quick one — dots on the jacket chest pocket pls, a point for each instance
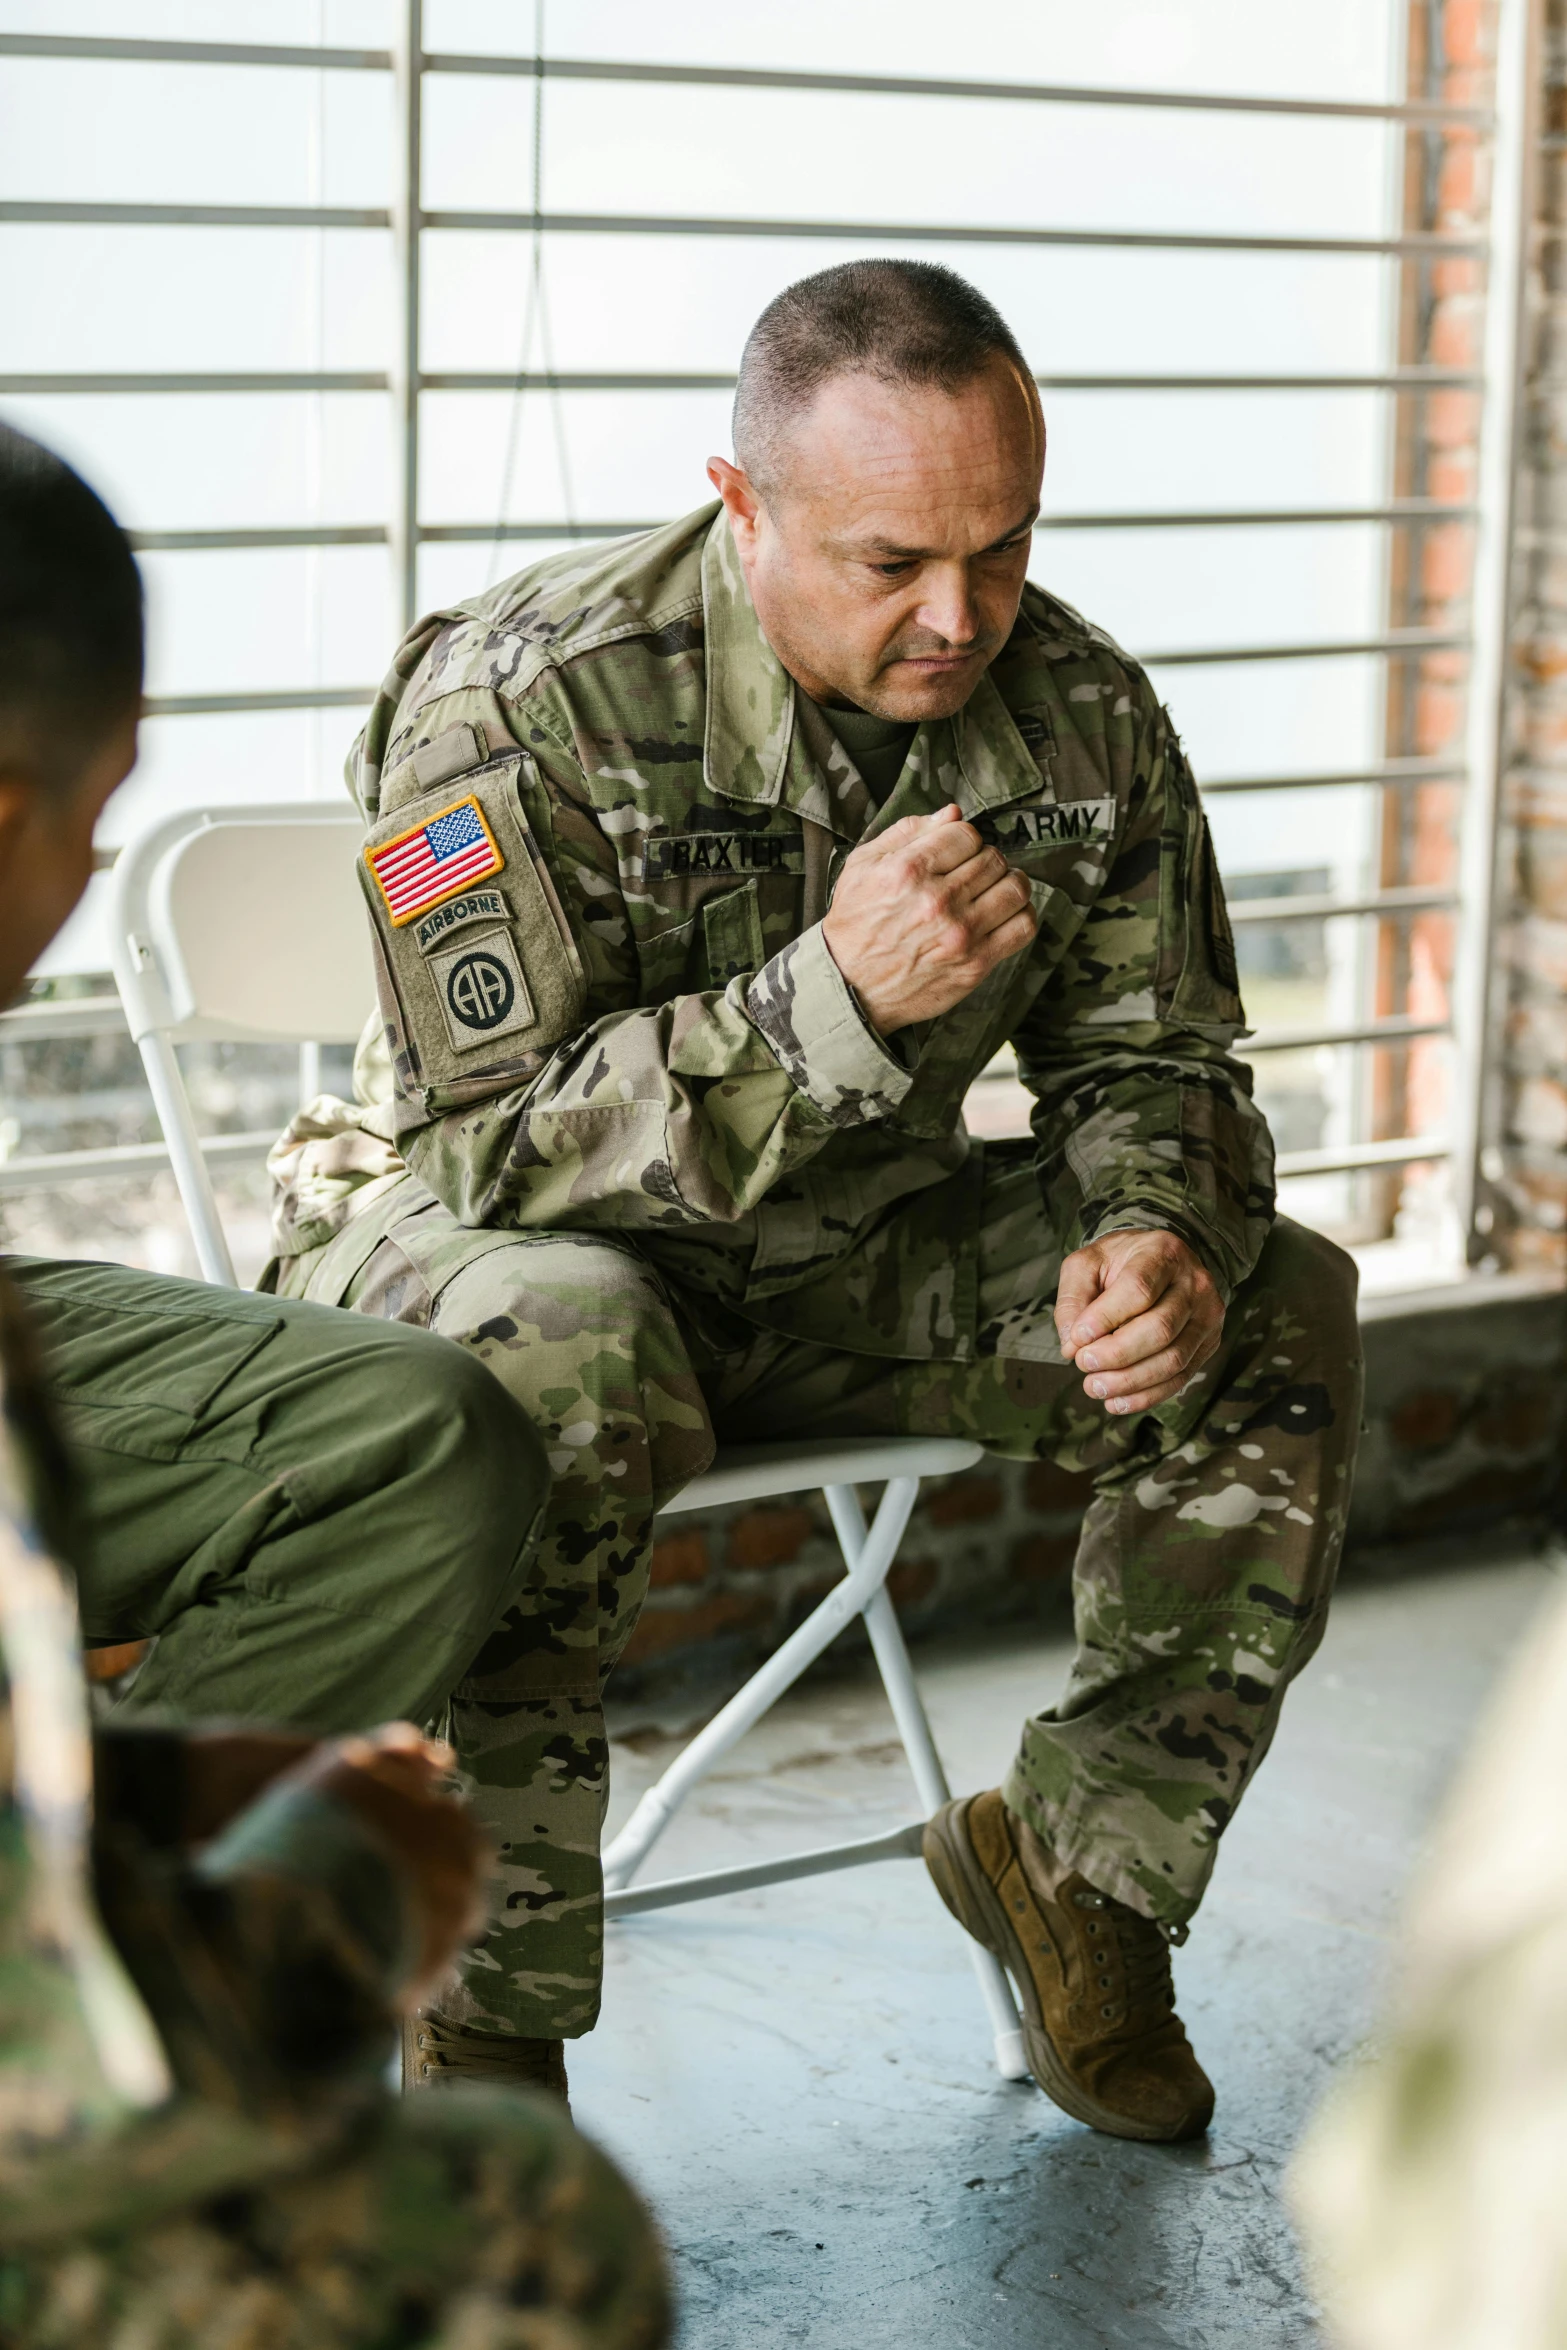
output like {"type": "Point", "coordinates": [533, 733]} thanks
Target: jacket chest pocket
{"type": "Point", "coordinates": [720, 941]}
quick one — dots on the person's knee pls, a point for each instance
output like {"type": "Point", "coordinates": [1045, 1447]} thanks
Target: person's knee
{"type": "Point", "coordinates": [580, 1333]}
{"type": "Point", "coordinates": [490, 1443]}
{"type": "Point", "coordinates": [468, 1447]}
{"type": "Point", "coordinates": [1313, 1276]}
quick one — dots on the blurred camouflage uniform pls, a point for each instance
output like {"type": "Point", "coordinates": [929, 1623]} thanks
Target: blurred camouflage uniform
{"type": "Point", "coordinates": [666, 1181]}
{"type": "Point", "coordinates": [1432, 2188]}
{"type": "Point", "coordinates": [195, 2147]}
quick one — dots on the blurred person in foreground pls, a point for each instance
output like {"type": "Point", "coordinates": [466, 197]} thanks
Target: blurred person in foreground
{"type": "Point", "coordinates": [1432, 2191]}
{"type": "Point", "coordinates": [708, 870]}
{"type": "Point", "coordinates": [207, 1935]}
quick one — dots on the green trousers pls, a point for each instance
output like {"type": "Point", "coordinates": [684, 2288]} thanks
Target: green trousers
{"type": "Point", "coordinates": [319, 1519]}
{"type": "Point", "coordinates": [1202, 1577]}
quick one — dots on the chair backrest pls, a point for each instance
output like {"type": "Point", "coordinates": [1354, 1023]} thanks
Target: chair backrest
{"type": "Point", "coordinates": [245, 923]}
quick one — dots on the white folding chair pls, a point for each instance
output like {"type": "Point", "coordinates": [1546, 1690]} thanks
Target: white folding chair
{"type": "Point", "coordinates": [243, 924]}
{"type": "Point", "coordinates": [247, 924]}
{"type": "Point", "coordinates": [753, 1473]}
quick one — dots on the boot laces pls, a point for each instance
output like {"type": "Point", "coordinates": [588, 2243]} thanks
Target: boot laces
{"type": "Point", "coordinates": [1144, 1949]}
{"type": "Point", "coordinates": [441, 2047]}
{"type": "Point", "coordinates": [1145, 1957]}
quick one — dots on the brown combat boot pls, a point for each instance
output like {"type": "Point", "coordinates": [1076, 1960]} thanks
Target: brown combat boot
{"type": "Point", "coordinates": [435, 2051]}
{"type": "Point", "coordinates": [1099, 2020]}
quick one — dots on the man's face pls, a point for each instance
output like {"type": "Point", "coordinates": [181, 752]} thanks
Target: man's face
{"type": "Point", "coordinates": [887, 562]}
{"type": "Point", "coordinates": [46, 836]}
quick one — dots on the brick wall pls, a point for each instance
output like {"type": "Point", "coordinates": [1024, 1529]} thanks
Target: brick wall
{"type": "Point", "coordinates": [1527, 1163]}
{"type": "Point", "coordinates": [1440, 325]}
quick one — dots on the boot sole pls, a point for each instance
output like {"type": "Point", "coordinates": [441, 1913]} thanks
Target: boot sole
{"type": "Point", "coordinates": [974, 1902]}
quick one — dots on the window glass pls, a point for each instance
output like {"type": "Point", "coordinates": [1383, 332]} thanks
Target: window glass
{"type": "Point", "coordinates": [1146, 44]}
{"type": "Point", "coordinates": [115, 299]}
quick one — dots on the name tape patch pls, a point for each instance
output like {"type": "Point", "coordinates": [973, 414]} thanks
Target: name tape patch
{"type": "Point", "coordinates": [670, 856]}
{"type": "Point", "coordinates": [475, 905]}
{"type": "Point", "coordinates": [1056, 823]}
{"type": "Point", "coordinates": [448, 852]}
{"type": "Point", "coordinates": [481, 990]}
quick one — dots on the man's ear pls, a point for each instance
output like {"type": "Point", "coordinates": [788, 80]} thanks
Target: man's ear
{"type": "Point", "coordinates": [741, 502]}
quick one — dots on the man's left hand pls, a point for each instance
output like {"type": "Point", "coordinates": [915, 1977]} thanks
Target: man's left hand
{"type": "Point", "coordinates": [1138, 1313]}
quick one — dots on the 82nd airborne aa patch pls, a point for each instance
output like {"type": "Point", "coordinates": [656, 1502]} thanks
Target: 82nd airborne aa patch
{"type": "Point", "coordinates": [481, 990]}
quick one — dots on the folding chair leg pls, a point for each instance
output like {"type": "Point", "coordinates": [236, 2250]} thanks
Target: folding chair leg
{"type": "Point", "coordinates": [191, 1175]}
{"type": "Point", "coordinates": [868, 1554]}
{"type": "Point", "coordinates": [867, 1571]}
{"type": "Point", "coordinates": [908, 1711]}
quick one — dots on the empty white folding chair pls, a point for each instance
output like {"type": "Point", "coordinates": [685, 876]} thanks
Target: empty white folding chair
{"type": "Point", "coordinates": [247, 923]}
{"type": "Point", "coordinates": [243, 924]}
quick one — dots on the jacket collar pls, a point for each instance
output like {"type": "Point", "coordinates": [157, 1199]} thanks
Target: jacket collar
{"type": "Point", "coordinates": [755, 748]}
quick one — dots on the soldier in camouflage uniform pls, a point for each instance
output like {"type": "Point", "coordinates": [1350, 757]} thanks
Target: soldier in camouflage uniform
{"type": "Point", "coordinates": [196, 2146]}
{"type": "Point", "coordinates": [206, 1936]}
{"type": "Point", "coordinates": [1430, 2190]}
{"type": "Point", "coordinates": [692, 934]}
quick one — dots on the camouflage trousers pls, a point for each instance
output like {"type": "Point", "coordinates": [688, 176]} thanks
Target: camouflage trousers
{"type": "Point", "coordinates": [1202, 1578]}
{"type": "Point", "coordinates": [466, 2220]}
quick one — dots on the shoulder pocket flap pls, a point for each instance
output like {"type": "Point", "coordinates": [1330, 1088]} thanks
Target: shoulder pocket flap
{"type": "Point", "coordinates": [477, 950]}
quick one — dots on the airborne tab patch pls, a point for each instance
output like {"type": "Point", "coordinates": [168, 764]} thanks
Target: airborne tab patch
{"type": "Point", "coordinates": [673, 856]}
{"type": "Point", "coordinates": [475, 905]}
{"type": "Point", "coordinates": [1054, 823]}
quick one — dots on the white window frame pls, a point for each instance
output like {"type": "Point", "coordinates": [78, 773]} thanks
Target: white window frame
{"type": "Point", "coordinates": [1513, 133]}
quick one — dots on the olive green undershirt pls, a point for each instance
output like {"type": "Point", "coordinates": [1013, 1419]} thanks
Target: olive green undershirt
{"type": "Point", "coordinates": [878, 746]}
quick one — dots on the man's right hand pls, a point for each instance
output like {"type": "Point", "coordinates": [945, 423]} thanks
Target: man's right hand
{"type": "Point", "coordinates": [921, 915]}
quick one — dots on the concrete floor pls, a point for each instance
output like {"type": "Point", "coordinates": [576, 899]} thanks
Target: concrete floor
{"type": "Point", "coordinates": [800, 2078]}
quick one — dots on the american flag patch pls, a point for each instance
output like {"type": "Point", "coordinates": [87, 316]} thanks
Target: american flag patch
{"type": "Point", "coordinates": [446, 853]}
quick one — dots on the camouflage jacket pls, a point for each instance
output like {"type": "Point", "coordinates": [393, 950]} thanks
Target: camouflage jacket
{"type": "Point", "coordinates": [155, 2060]}
{"type": "Point", "coordinates": [604, 827]}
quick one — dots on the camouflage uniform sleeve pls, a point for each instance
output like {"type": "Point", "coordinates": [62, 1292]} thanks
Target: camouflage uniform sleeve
{"type": "Point", "coordinates": [636, 1114]}
{"type": "Point", "coordinates": [1143, 1117]}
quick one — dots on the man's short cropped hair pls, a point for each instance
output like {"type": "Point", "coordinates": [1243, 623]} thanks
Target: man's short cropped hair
{"type": "Point", "coordinates": [71, 633]}
{"type": "Point", "coordinates": [904, 322]}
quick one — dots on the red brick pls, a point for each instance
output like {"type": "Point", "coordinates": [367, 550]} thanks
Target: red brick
{"type": "Point", "coordinates": [1423, 1421]}
{"type": "Point", "coordinates": [1493, 1490]}
{"type": "Point", "coordinates": [1519, 1415]}
{"type": "Point", "coordinates": [770, 1537]}
{"type": "Point", "coordinates": [911, 1581]}
{"type": "Point", "coordinates": [1042, 1558]}
{"type": "Point", "coordinates": [1453, 418]}
{"type": "Point", "coordinates": [663, 1630]}
{"type": "Point", "coordinates": [1452, 276]}
{"type": "Point", "coordinates": [680, 1558]}
{"type": "Point", "coordinates": [1049, 1488]}
{"type": "Point", "coordinates": [1439, 717]}
{"type": "Point", "coordinates": [1464, 29]}
{"type": "Point", "coordinates": [1450, 476]}
{"type": "Point", "coordinates": [107, 1664]}
{"type": "Point", "coordinates": [965, 1502]}
{"type": "Point", "coordinates": [1445, 561]}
